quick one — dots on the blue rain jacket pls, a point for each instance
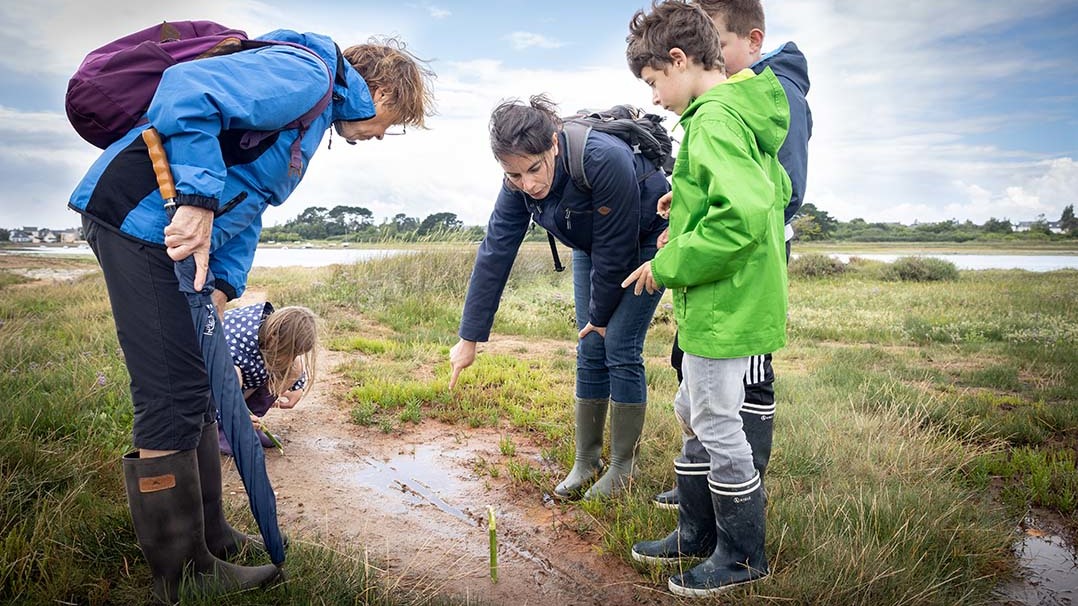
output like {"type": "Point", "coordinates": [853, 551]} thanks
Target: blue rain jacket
{"type": "Point", "coordinates": [202, 109]}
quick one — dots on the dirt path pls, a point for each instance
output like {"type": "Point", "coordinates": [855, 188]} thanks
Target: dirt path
{"type": "Point", "coordinates": [417, 504]}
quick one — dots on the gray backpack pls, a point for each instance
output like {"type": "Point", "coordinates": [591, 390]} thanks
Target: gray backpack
{"type": "Point", "coordinates": [643, 133]}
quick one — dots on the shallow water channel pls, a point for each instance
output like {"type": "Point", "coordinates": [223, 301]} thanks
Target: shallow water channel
{"type": "Point", "coordinates": [1047, 563]}
{"type": "Point", "coordinates": [320, 257]}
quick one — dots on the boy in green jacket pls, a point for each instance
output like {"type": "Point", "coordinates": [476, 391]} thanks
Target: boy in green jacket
{"type": "Point", "coordinates": [725, 264]}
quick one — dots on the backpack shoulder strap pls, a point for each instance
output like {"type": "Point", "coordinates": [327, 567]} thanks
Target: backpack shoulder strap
{"type": "Point", "coordinates": [576, 136]}
{"type": "Point", "coordinates": [252, 138]}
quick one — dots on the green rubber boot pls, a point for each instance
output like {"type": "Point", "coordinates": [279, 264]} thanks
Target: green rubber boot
{"type": "Point", "coordinates": [626, 423]}
{"type": "Point", "coordinates": [590, 421]}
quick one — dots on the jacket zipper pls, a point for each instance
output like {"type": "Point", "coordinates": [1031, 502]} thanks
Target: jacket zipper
{"type": "Point", "coordinates": [240, 197]}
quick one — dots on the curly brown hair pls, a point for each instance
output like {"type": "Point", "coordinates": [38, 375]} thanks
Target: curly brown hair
{"type": "Point", "coordinates": [672, 24]}
{"type": "Point", "coordinates": [386, 64]}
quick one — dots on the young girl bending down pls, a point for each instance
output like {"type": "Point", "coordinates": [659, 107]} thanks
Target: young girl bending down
{"type": "Point", "coordinates": [274, 354]}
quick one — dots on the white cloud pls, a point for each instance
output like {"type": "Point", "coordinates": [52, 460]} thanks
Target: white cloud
{"type": "Point", "coordinates": [437, 12]}
{"type": "Point", "coordinates": [41, 161]}
{"type": "Point", "coordinates": [894, 137]}
{"type": "Point", "coordinates": [525, 40]}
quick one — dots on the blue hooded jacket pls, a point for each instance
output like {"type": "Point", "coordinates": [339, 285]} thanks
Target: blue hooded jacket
{"type": "Point", "coordinates": [609, 224]}
{"type": "Point", "coordinates": [791, 68]}
{"type": "Point", "coordinates": [202, 109]}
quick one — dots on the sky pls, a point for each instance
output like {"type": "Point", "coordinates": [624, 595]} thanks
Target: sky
{"type": "Point", "coordinates": [924, 111]}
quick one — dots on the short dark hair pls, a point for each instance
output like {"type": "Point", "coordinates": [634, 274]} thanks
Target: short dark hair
{"type": "Point", "coordinates": [740, 16]}
{"type": "Point", "coordinates": [517, 129]}
{"type": "Point", "coordinates": [672, 24]}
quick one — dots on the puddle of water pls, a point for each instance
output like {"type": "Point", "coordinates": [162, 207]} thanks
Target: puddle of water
{"type": "Point", "coordinates": [409, 480]}
{"type": "Point", "coordinates": [421, 478]}
{"type": "Point", "coordinates": [1049, 573]}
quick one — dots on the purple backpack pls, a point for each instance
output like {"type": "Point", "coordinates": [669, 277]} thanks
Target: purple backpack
{"type": "Point", "coordinates": [112, 89]}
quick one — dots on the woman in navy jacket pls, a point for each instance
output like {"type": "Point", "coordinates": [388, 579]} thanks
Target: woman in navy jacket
{"type": "Point", "coordinates": [612, 229]}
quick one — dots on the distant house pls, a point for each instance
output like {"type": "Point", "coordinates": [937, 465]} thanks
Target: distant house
{"type": "Point", "coordinates": [1053, 226]}
{"type": "Point", "coordinates": [70, 235]}
{"type": "Point", "coordinates": [20, 236]}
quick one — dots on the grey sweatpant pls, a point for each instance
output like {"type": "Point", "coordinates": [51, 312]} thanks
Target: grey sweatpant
{"type": "Point", "coordinates": [708, 406]}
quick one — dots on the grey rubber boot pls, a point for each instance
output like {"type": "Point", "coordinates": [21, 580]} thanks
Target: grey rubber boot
{"type": "Point", "coordinates": [590, 422]}
{"type": "Point", "coordinates": [694, 536]}
{"type": "Point", "coordinates": [222, 540]}
{"type": "Point", "coordinates": [166, 508]}
{"type": "Point", "coordinates": [626, 422]}
{"type": "Point", "coordinates": [739, 549]}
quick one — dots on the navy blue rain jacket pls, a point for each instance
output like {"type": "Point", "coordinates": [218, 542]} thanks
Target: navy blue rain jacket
{"type": "Point", "coordinates": [791, 68]}
{"type": "Point", "coordinates": [609, 224]}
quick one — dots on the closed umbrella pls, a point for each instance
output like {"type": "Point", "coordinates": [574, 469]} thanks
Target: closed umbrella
{"type": "Point", "coordinates": [235, 419]}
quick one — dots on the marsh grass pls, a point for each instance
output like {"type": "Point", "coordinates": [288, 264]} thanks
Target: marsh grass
{"type": "Point", "coordinates": [901, 406]}
{"type": "Point", "coordinates": [65, 532]}
{"type": "Point", "coordinates": [885, 437]}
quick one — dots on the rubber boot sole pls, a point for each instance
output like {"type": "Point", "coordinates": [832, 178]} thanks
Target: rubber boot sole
{"type": "Point", "coordinates": [692, 592]}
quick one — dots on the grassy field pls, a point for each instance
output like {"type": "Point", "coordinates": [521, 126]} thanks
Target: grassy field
{"type": "Point", "coordinates": [917, 422]}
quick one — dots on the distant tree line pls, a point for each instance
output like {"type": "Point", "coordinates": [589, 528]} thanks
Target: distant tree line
{"type": "Point", "coordinates": [357, 224]}
{"type": "Point", "coordinates": [812, 223]}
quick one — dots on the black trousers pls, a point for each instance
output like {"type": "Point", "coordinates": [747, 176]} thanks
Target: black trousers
{"type": "Point", "coordinates": [169, 386]}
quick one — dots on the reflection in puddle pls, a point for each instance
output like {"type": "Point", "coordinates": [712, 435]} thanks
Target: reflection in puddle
{"type": "Point", "coordinates": [424, 478]}
{"type": "Point", "coordinates": [1049, 573]}
{"type": "Point", "coordinates": [411, 479]}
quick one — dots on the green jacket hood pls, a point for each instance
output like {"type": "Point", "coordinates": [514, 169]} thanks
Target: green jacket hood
{"type": "Point", "coordinates": [757, 100]}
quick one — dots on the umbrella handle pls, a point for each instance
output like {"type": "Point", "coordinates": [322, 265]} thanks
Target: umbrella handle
{"type": "Point", "coordinates": [161, 169]}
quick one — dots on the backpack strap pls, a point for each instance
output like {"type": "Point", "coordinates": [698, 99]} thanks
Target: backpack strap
{"type": "Point", "coordinates": [576, 136]}
{"type": "Point", "coordinates": [253, 137]}
{"type": "Point", "coordinates": [554, 253]}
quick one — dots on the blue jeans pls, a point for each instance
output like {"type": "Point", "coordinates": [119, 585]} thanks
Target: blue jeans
{"type": "Point", "coordinates": [612, 367]}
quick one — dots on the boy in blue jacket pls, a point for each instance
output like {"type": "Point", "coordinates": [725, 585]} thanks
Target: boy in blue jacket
{"type": "Point", "coordinates": [202, 110]}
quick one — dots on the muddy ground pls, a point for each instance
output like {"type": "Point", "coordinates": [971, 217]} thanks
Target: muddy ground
{"type": "Point", "coordinates": [414, 499]}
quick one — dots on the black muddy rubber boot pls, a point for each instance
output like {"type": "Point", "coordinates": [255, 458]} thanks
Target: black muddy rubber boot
{"type": "Point", "coordinates": [739, 547]}
{"type": "Point", "coordinates": [694, 536]}
{"type": "Point", "coordinates": [164, 496]}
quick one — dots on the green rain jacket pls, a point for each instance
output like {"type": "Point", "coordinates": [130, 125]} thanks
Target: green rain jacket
{"type": "Point", "coordinates": [726, 258]}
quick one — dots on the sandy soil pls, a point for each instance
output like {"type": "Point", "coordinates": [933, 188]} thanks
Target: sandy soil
{"type": "Point", "coordinates": [416, 502]}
